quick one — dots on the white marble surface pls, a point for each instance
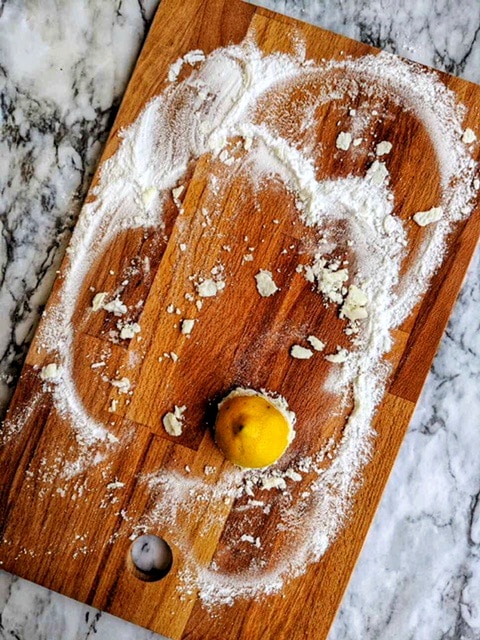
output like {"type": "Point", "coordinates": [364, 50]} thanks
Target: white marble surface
{"type": "Point", "coordinates": [63, 68]}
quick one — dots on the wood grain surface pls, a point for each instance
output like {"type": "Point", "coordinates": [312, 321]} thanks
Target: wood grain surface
{"type": "Point", "coordinates": [73, 537]}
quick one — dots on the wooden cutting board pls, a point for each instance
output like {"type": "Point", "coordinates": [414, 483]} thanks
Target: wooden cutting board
{"type": "Point", "coordinates": [74, 537]}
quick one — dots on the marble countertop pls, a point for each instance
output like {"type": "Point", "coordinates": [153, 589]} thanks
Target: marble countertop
{"type": "Point", "coordinates": [63, 70]}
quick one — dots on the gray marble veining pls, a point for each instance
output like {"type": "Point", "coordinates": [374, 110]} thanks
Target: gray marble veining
{"type": "Point", "coordinates": [440, 33]}
{"type": "Point", "coordinates": [63, 69]}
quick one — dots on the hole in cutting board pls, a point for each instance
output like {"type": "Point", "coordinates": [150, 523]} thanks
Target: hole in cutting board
{"type": "Point", "coordinates": [150, 558]}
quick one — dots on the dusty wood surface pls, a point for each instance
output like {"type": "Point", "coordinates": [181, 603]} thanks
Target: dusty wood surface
{"type": "Point", "coordinates": [247, 343]}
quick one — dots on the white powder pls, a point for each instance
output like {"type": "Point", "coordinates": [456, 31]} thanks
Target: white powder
{"type": "Point", "coordinates": [389, 224]}
{"type": "Point", "coordinates": [192, 57]}
{"type": "Point", "coordinates": [316, 343]}
{"type": "Point", "coordinates": [330, 279]}
{"type": "Point", "coordinates": [129, 330]}
{"type": "Point", "coordinates": [98, 300]}
{"type": "Point", "coordinates": [273, 482]}
{"type": "Point", "coordinates": [175, 69]}
{"type": "Point", "coordinates": [301, 353]}
{"type": "Point", "coordinates": [354, 307]}
{"type": "Point", "coordinates": [339, 357]}
{"type": "Point", "coordinates": [383, 148]}
{"type": "Point", "coordinates": [156, 151]}
{"type": "Point", "coordinates": [423, 218]}
{"type": "Point", "coordinates": [468, 136]}
{"type": "Point", "coordinates": [265, 284]}
{"type": "Point", "coordinates": [187, 326]}
{"type": "Point", "coordinates": [122, 384]}
{"type": "Point", "coordinates": [116, 307]}
{"type": "Point", "coordinates": [248, 538]}
{"type": "Point", "coordinates": [293, 475]}
{"type": "Point", "coordinates": [50, 372]}
{"type": "Point", "coordinates": [209, 288]}
{"type": "Point", "coordinates": [378, 172]}
{"type": "Point", "coordinates": [111, 486]}
{"type": "Point", "coordinates": [344, 140]}
{"type": "Point", "coordinates": [173, 421]}
{"type": "Point", "coordinates": [148, 196]}
{"type": "Point", "coordinates": [177, 192]}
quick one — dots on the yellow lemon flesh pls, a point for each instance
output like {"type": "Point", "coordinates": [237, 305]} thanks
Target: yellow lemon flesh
{"type": "Point", "coordinates": [250, 431]}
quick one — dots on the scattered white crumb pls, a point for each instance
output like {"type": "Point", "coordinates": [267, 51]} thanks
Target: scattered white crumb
{"type": "Point", "coordinates": [187, 326]}
{"type": "Point", "coordinates": [116, 307]}
{"type": "Point", "coordinates": [192, 57]}
{"type": "Point", "coordinates": [173, 356]}
{"type": "Point", "coordinates": [377, 172]}
{"type": "Point", "coordinates": [173, 421]}
{"type": "Point", "coordinates": [265, 285]}
{"type": "Point", "coordinates": [344, 140]}
{"type": "Point", "coordinates": [98, 365]}
{"type": "Point", "coordinates": [273, 482]}
{"type": "Point", "coordinates": [247, 257]}
{"type": "Point", "coordinates": [50, 372]}
{"type": "Point", "coordinates": [209, 288]}
{"type": "Point", "coordinates": [330, 278]}
{"type": "Point", "coordinates": [171, 308]}
{"type": "Point", "coordinates": [354, 306]}
{"type": "Point", "coordinates": [175, 69]}
{"type": "Point", "coordinates": [476, 183]}
{"type": "Point", "coordinates": [248, 538]}
{"type": "Point", "coordinates": [292, 475]}
{"type": "Point", "coordinates": [113, 406]}
{"type": "Point", "coordinates": [388, 224]}
{"type": "Point", "coordinates": [357, 142]}
{"type": "Point", "coordinates": [383, 148]}
{"type": "Point", "coordinates": [316, 343]}
{"type": "Point", "coordinates": [422, 218]}
{"type": "Point", "coordinates": [122, 384]}
{"type": "Point", "coordinates": [468, 136]}
{"type": "Point", "coordinates": [115, 485]}
{"type": "Point", "coordinates": [208, 470]}
{"type": "Point", "coordinates": [98, 300]}
{"type": "Point", "coordinates": [182, 246]}
{"type": "Point", "coordinates": [340, 356]}
{"type": "Point", "coordinates": [129, 330]}
{"type": "Point", "coordinates": [148, 195]}
{"type": "Point", "coordinates": [177, 192]}
{"type": "Point", "coordinates": [300, 353]}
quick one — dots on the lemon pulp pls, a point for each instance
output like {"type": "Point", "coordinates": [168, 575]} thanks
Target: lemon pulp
{"type": "Point", "coordinates": [251, 431]}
